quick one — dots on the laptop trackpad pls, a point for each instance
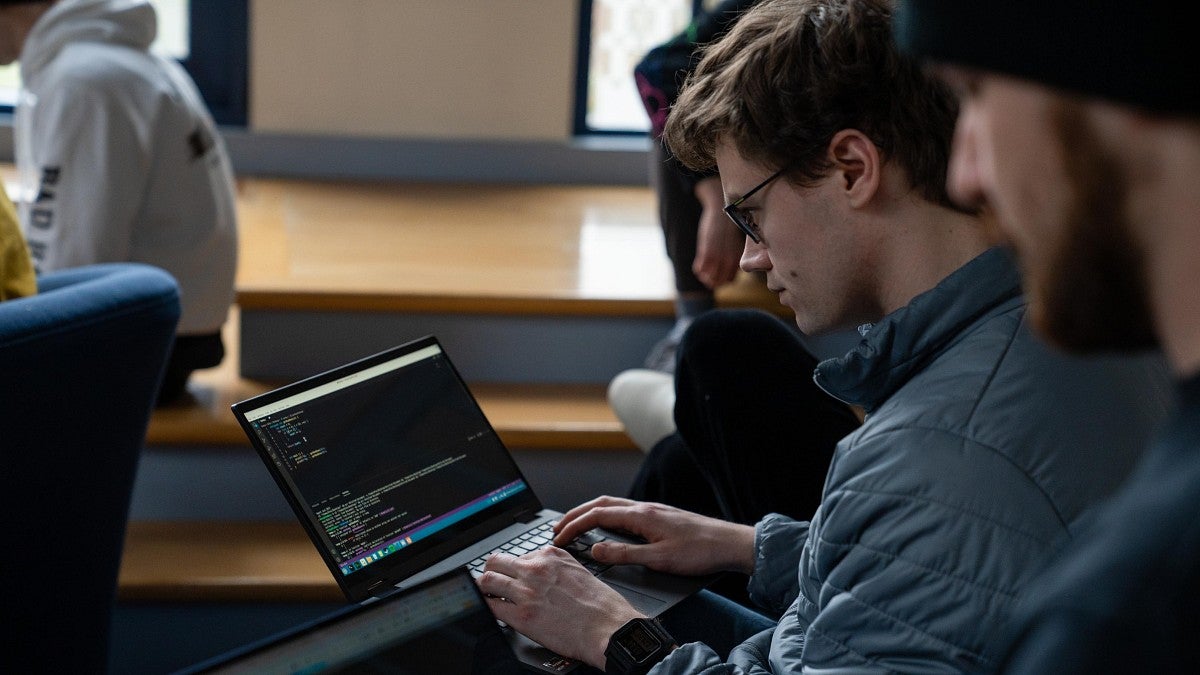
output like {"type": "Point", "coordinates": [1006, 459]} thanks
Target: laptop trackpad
{"type": "Point", "coordinates": [623, 577]}
{"type": "Point", "coordinates": [537, 656]}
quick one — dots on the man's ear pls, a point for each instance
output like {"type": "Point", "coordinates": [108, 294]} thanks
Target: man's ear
{"type": "Point", "coordinates": [857, 164]}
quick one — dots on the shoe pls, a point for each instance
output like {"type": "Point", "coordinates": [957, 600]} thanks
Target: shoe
{"type": "Point", "coordinates": [644, 401]}
{"type": "Point", "coordinates": [662, 354]}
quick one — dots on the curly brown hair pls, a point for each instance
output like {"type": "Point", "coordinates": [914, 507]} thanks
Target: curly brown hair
{"type": "Point", "coordinates": [790, 74]}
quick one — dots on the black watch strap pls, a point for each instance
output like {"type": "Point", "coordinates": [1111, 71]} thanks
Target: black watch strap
{"type": "Point", "coordinates": [636, 647]}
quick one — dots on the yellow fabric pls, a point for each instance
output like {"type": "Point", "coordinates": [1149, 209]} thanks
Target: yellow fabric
{"type": "Point", "coordinates": [16, 269]}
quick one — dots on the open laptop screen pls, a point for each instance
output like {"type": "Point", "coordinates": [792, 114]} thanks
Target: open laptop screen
{"type": "Point", "coordinates": [386, 457]}
{"type": "Point", "coordinates": [441, 626]}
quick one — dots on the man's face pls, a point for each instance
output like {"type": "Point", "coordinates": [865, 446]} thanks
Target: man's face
{"type": "Point", "coordinates": [1033, 159]}
{"type": "Point", "coordinates": [808, 251]}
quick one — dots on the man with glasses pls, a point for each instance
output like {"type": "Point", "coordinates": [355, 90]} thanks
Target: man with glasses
{"type": "Point", "coordinates": [980, 448]}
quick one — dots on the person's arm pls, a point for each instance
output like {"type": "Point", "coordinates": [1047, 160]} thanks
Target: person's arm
{"type": "Point", "coordinates": [719, 243]}
{"type": "Point", "coordinates": [779, 544]}
{"type": "Point", "coordinates": [681, 542]}
{"type": "Point", "coordinates": [16, 270]}
{"type": "Point", "coordinates": [913, 564]}
{"type": "Point", "coordinates": [549, 597]}
{"type": "Point", "coordinates": [91, 153]}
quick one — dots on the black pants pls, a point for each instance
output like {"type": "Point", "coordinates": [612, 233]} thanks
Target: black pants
{"type": "Point", "coordinates": [679, 214]}
{"type": "Point", "coordinates": [189, 353]}
{"type": "Point", "coordinates": [755, 433]}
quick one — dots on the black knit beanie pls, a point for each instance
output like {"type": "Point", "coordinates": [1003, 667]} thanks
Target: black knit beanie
{"type": "Point", "coordinates": [1138, 52]}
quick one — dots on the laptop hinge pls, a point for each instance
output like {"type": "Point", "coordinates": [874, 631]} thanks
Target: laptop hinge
{"type": "Point", "coordinates": [526, 517]}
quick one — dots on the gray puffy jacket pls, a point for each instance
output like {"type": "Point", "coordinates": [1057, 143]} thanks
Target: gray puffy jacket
{"type": "Point", "coordinates": [979, 453]}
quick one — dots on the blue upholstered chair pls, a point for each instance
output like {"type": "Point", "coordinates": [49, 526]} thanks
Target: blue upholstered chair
{"type": "Point", "coordinates": [80, 365]}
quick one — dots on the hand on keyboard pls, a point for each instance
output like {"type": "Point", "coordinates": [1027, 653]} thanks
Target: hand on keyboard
{"type": "Point", "coordinates": [581, 549]}
{"type": "Point", "coordinates": [670, 539]}
{"type": "Point", "coordinates": [540, 537]}
{"type": "Point", "coordinates": [549, 597]}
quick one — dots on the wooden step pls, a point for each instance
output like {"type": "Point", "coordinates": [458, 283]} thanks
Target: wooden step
{"type": "Point", "coordinates": [571, 281]}
{"type": "Point", "coordinates": [527, 416]}
{"type": "Point", "coordinates": [195, 561]}
{"type": "Point", "coordinates": [459, 248]}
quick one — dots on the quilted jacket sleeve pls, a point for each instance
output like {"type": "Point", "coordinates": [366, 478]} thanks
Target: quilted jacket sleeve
{"type": "Point", "coordinates": [918, 552]}
{"type": "Point", "coordinates": [750, 658]}
{"type": "Point", "coordinates": [778, 545]}
{"type": "Point", "coordinates": [912, 563]}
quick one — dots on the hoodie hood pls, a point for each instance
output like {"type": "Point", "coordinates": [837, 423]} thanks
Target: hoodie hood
{"type": "Point", "coordinates": [128, 23]}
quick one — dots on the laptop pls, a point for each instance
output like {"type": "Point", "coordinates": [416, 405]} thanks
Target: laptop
{"type": "Point", "coordinates": [398, 477]}
{"type": "Point", "coordinates": [440, 626]}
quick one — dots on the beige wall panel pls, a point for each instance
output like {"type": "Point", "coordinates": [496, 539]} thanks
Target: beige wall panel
{"type": "Point", "coordinates": [474, 69]}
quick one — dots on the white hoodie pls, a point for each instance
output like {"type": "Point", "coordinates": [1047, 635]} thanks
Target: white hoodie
{"type": "Point", "coordinates": [119, 159]}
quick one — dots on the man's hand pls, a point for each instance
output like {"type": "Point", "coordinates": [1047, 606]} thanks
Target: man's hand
{"type": "Point", "coordinates": [549, 597]}
{"type": "Point", "coordinates": [677, 541]}
{"type": "Point", "coordinates": [719, 242]}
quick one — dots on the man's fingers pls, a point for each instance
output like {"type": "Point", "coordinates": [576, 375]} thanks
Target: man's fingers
{"type": "Point", "coordinates": [568, 526]}
{"type": "Point", "coordinates": [616, 553]}
{"type": "Point", "coordinates": [502, 609]}
{"type": "Point", "coordinates": [655, 556]}
{"type": "Point", "coordinates": [608, 517]}
{"type": "Point", "coordinates": [496, 584]}
{"type": "Point", "coordinates": [583, 508]}
{"type": "Point", "coordinates": [505, 563]}
{"type": "Point", "coordinates": [714, 271]}
{"type": "Point", "coordinates": [568, 531]}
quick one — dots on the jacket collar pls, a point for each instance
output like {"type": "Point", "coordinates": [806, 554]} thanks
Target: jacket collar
{"type": "Point", "coordinates": [905, 341]}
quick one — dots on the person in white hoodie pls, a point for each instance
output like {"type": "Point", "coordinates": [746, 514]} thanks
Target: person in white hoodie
{"type": "Point", "coordinates": [119, 160]}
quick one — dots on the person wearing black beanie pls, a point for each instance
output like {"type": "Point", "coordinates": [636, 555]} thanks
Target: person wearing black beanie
{"type": "Point", "coordinates": [1079, 129]}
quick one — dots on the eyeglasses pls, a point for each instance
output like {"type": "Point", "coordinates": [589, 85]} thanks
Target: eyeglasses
{"type": "Point", "coordinates": [743, 219]}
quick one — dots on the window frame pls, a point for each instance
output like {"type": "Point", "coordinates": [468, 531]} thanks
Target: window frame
{"type": "Point", "coordinates": [583, 54]}
{"type": "Point", "coordinates": [218, 57]}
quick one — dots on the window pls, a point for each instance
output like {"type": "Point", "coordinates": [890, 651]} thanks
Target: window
{"type": "Point", "coordinates": [209, 37]}
{"type": "Point", "coordinates": [613, 36]}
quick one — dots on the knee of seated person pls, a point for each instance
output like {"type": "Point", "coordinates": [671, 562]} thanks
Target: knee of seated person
{"type": "Point", "coordinates": [712, 334]}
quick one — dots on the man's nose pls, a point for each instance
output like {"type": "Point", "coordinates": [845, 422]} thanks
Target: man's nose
{"type": "Point", "coordinates": [754, 257]}
{"type": "Point", "coordinates": [963, 176]}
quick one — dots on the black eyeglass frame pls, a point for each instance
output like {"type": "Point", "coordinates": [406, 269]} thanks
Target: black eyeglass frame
{"type": "Point", "coordinates": [739, 217]}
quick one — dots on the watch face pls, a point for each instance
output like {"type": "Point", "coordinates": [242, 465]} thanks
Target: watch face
{"type": "Point", "coordinates": [640, 643]}
{"type": "Point", "coordinates": [636, 647]}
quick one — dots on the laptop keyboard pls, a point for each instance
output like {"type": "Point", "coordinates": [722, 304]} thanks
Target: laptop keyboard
{"type": "Point", "coordinates": [540, 537]}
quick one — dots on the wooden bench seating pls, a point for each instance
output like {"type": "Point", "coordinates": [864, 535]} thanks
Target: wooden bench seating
{"type": "Point", "coordinates": [229, 561]}
{"type": "Point", "coordinates": [529, 251]}
{"type": "Point", "coordinates": [527, 416]}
